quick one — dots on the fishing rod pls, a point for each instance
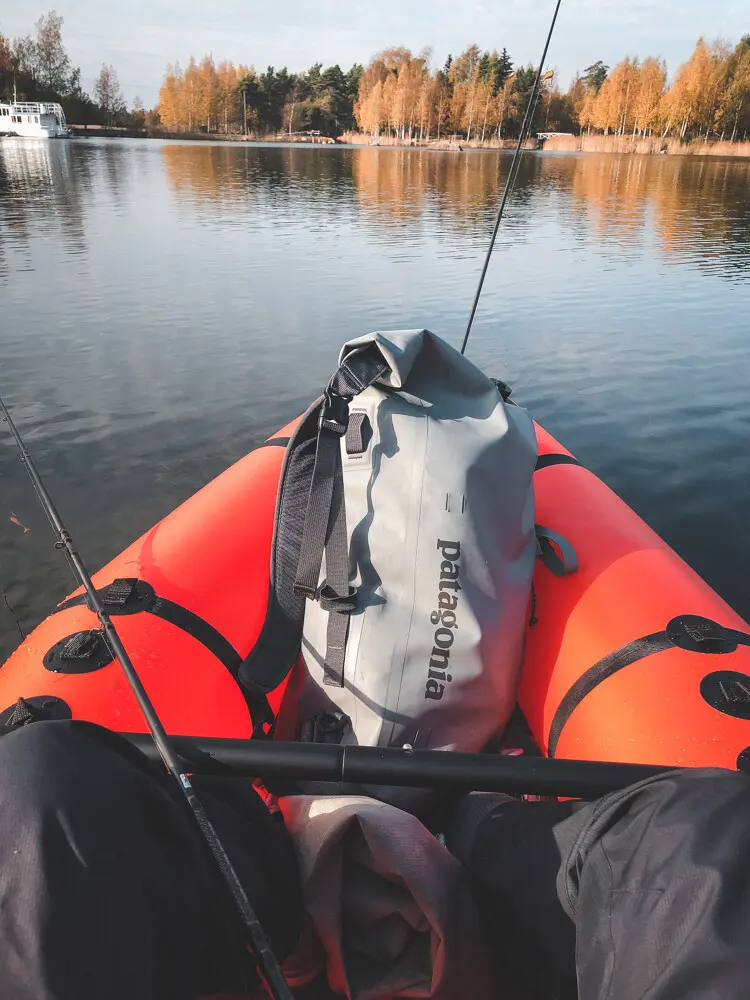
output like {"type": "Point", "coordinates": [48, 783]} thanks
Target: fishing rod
{"type": "Point", "coordinates": [266, 961]}
{"type": "Point", "coordinates": [511, 180]}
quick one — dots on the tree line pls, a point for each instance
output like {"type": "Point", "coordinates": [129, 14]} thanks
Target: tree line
{"type": "Point", "coordinates": [709, 96]}
{"type": "Point", "coordinates": [228, 98]}
{"type": "Point", "coordinates": [37, 68]}
{"type": "Point", "coordinates": [479, 95]}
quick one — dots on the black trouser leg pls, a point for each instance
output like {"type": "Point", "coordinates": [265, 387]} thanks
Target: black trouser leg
{"type": "Point", "coordinates": [643, 895]}
{"type": "Point", "coordinates": [105, 888]}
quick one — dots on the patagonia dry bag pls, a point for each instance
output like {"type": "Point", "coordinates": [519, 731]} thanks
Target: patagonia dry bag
{"type": "Point", "coordinates": [403, 551]}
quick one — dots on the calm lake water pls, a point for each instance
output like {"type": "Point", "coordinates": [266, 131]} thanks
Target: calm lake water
{"type": "Point", "coordinates": [164, 307]}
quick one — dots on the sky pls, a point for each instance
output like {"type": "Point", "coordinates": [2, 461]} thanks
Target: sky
{"type": "Point", "coordinates": [139, 37]}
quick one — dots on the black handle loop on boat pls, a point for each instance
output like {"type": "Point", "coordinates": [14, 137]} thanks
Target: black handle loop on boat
{"type": "Point", "coordinates": [267, 964]}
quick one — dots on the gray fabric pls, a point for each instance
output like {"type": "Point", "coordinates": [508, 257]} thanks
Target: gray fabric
{"type": "Point", "coordinates": [440, 512]}
{"type": "Point", "coordinates": [391, 906]}
{"type": "Point", "coordinates": [641, 895]}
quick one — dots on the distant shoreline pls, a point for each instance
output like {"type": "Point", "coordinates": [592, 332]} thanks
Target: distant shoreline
{"type": "Point", "coordinates": [651, 146]}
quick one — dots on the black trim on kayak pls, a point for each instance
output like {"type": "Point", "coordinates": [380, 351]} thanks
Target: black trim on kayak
{"type": "Point", "coordinates": [545, 461]}
{"type": "Point", "coordinates": [608, 665]}
{"type": "Point", "coordinates": [200, 629]}
{"type": "Point", "coordinates": [145, 599]}
{"type": "Point", "coordinates": [281, 442]}
{"type": "Point", "coordinates": [691, 632]}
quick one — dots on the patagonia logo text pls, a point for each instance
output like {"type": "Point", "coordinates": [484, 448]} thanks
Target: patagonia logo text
{"type": "Point", "coordinates": [445, 620]}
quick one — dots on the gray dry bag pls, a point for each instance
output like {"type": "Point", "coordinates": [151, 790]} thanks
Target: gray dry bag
{"type": "Point", "coordinates": [403, 551]}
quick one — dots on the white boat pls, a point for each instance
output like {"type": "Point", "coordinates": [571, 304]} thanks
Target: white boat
{"type": "Point", "coordinates": [33, 120]}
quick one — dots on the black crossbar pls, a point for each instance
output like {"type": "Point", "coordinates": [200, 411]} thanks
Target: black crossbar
{"type": "Point", "coordinates": [417, 768]}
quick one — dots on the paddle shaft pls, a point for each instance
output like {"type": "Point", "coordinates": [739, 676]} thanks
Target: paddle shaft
{"type": "Point", "coordinates": [268, 966]}
{"type": "Point", "coordinates": [392, 766]}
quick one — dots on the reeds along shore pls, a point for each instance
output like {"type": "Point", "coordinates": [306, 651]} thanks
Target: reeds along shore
{"type": "Point", "coordinates": [651, 145]}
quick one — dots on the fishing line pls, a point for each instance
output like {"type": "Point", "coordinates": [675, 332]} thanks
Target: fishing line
{"type": "Point", "coordinates": [268, 966]}
{"type": "Point", "coordinates": [510, 182]}
{"type": "Point", "coordinates": [15, 616]}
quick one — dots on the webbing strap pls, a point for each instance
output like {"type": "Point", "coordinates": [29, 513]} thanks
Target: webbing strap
{"type": "Point", "coordinates": [647, 645]}
{"type": "Point", "coordinates": [327, 462]}
{"type": "Point", "coordinates": [560, 565]}
{"type": "Point", "coordinates": [355, 438]}
{"type": "Point", "coordinates": [337, 596]}
{"type": "Point", "coordinates": [359, 369]}
{"type": "Point", "coordinates": [325, 518]}
{"type": "Point", "coordinates": [336, 636]}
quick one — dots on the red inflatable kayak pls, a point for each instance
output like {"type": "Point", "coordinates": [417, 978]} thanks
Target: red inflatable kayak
{"type": "Point", "coordinates": [633, 658]}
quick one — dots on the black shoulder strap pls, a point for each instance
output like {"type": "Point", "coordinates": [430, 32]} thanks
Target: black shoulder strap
{"type": "Point", "coordinates": [276, 650]}
{"type": "Point", "coordinates": [310, 520]}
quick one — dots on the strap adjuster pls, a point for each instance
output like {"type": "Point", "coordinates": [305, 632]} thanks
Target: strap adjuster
{"type": "Point", "coordinates": [334, 414]}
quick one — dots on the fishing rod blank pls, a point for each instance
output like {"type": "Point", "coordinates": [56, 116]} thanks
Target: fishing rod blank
{"type": "Point", "coordinates": [510, 182]}
{"type": "Point", "coordinates": [268, 966]}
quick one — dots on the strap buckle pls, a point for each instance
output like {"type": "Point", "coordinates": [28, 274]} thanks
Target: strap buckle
{"type": "Point", "coordinates": [334, 414]}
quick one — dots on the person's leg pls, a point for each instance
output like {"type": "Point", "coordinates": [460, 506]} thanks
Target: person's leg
{"type": "Point", "coordinates": [643, 894]}
{"type": "Point", "coordinates": [105, 888]}
{"type": "Point", "coordinates": [658, 879]}
{"type": "Point", "coordinates": [513, 858]}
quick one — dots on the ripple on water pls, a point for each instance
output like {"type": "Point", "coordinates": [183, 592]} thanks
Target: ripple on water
{"type": "Point", "coordinates": [166, 305]}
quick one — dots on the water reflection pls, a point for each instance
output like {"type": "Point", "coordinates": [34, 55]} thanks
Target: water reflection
{"type": "Point", "coordinates": [41, 188]}
{"type": "Point", "coordinates": [49, 189]}
{"type": "Point", "coordinates": [698, 207]}
{"type": "Point", "coordinates": [165, 306]}
{"type": "Point", "coordinates": [226, 179]}
{"type": "Point", "coordinates": [697, 210]}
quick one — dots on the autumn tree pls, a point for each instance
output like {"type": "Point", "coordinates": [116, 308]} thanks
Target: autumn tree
{"type": "Point", "coordinates": [692, 105]}
{"type": "Point", "coordinates": [735, 117]}
{"type": "Point", "coordinates": [229, 98]}
{"type": "Point", "coordinates": [207, 93]}
{"type": "Point", "coordinates": [648, 96]}
{"type": "Point", "coordinates": [478, 95]}
{"type": "Point", "coordinates": [612, 104]}
{"type": "Point", "coordinates": [24, 56]}
{"type": "Point", "coordinates": [465, 79]}
{"type": "Point", "coordinates": [138, 113]}
{"type": "Point", "coordinates": [52, 62]}
{"type": "Point", "coordinates": [6, 59]}
{"type": "Point", "coordinates": [108, 94]}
